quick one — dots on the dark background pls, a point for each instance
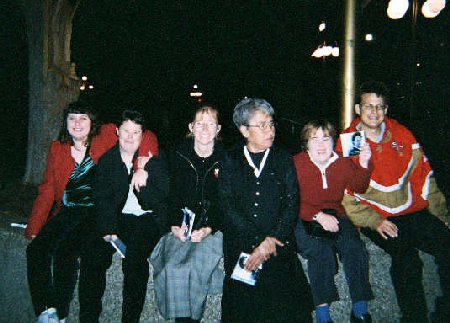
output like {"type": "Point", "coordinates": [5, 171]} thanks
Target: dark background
{"type": "Point", "coordinates": [148, 54]}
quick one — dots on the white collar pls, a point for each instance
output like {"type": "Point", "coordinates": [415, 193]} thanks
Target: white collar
{"type": "Point", "coordinates": [332, 159]}
{"type": "Point", "coordinates": [257, 170]}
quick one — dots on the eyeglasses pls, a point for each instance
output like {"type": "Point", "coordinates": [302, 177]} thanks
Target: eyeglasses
{"type": "Point", "coordinates": [201, 125]}
{"type": "Point", "coordinates": [370, 107]}
{"type": "Point", "coordinates": [263, 125]}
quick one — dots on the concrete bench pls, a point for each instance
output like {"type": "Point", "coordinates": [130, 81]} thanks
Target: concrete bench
{"type": "Point", "coordinates": [15, 301]}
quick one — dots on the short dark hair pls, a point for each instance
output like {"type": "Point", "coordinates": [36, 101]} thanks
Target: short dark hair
{"type": "Point", "coordinates": [313, 126]}
{"type": "Point", "coordinates": [134, 116]}
{"type": "Point", "coordinates": [78, 107]}
{"type": "Point", "coordinates": [374, 87]}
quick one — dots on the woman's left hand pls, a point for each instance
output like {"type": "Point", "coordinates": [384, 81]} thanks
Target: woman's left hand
{"type": "Point", "coordinates": [200, 234]}
{"type": "Point", "coordinates": [139, 179]}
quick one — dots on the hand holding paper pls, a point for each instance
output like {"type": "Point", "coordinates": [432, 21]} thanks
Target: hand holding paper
{"type": "Point", "coordinates": [365, 155]}
{"type": "Point", "coordinates": [188, 222]}
{"type": "Point", "coordinates": [244, 275]}
{"type": "Point", "coordinates": [352, 142]}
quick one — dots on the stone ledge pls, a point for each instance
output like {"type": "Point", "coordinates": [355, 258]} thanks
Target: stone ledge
{"type": "Point", "coordinates": [15, 302]}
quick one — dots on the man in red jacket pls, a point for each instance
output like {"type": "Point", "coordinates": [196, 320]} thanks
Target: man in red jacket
{"type": "Point", "coordinates": [403, 210]}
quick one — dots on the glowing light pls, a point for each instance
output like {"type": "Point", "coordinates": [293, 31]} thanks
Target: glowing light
{"type": "Point", "coordinates": [397, 8]}
{"type": "Point", "coordinates": [431, 10]}
{"type": "Point", "coordinates": [195, 93]}
{"type": "Point", "coordinates": [335, 51]}
{"type": "Point", "coordinates": [322, 26]}
{"type": "Point", "coordinates": [436, 6]}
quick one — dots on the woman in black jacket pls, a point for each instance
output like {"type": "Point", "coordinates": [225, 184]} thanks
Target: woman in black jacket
{"type": "Point", "coordinates": [133, 216]}
{"type": "Point", "coordinates": [264, 280]}
{"type": "Point", "coordinates": [185, 260]}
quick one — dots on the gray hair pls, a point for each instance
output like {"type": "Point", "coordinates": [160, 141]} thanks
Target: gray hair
{"type": "Point", "coordinates": [246, 108]}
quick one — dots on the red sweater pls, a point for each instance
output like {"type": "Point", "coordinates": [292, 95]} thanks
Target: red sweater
{"type": "Point", "coordinates": [325, 191]}
{"type": "Point", "coordinates": [60, 166]}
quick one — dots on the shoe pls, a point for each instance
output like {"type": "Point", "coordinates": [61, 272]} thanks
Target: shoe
{"type": "Point", "coordinates": [48, 316]}
{"type": "Point", "coordinates": [366, 318]}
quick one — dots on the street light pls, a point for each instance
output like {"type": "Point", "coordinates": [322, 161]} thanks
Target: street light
{"type": "Point", "coordinates": [84, 84]}
{"type": "Point", "coordinates": [431, 8]}
{"type": "Point", "coordinates": [196, 93]}
{"type": "Point", "coordinates": [325, 50]}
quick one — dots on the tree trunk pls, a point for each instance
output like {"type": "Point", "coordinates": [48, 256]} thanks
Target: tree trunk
{"type": "Point", "coordinates": [52, 78]}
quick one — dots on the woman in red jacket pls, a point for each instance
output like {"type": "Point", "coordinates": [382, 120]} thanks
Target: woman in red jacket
{"type": "Point", "coordinates": [62, 223]}
{"type": "Point", "coordinates": [323, 177]}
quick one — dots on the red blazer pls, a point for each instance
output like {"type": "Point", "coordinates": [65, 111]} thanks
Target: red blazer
{"type": "Point", "coordinates": [60, 165]}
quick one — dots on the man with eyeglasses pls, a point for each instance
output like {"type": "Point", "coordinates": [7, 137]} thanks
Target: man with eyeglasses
{"type": "Point", "coordinates": [403, 211]}
{"type": "Point", "coordinates": [259, 192]}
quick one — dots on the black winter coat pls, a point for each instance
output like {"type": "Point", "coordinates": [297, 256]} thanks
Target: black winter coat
{"type": "Point", "coordinates": [111, 190]}
{"type": "Point", "coordinates": [255, 208]}
{"type": "Point", "coordinates": [188, 188]}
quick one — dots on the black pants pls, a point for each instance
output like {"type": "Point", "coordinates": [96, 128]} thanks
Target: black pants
{"type": "Point", "coordinates": [322, 263]}
{"type": "Point", "coordinates": [140, 235]}
{"type": "Point", "coordinates": [417, 231]}
{"type": "Point", "coordinates": [52, 264]}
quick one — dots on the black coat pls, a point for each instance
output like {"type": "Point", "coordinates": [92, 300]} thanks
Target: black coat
{"type": "Point", "coordinates": [111, 190]}
{"type": "Point", "coordinates": [255, 208]}
{"type": "Point", "coordinates": [188, 188]}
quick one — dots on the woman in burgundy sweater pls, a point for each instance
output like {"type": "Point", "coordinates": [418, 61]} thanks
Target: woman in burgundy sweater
{"type": "Point", "coordinates": [323, 177]}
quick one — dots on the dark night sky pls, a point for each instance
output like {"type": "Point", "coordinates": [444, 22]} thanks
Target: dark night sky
{"type": "Point", "coordinates": [147, 54]}
{"type": "Point", "coordinates": [150, 53]}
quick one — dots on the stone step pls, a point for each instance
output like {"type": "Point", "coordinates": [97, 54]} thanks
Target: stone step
{"type": "Point", "coordinates": [15, 301]}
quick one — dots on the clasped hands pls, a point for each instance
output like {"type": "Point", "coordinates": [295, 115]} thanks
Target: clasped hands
{"type": "Point", "coordinates": [110, 237]}
{"type": "Point", "coordinates": [264, 251]}
{"type": "Point", "coordinates": [196, 235]}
